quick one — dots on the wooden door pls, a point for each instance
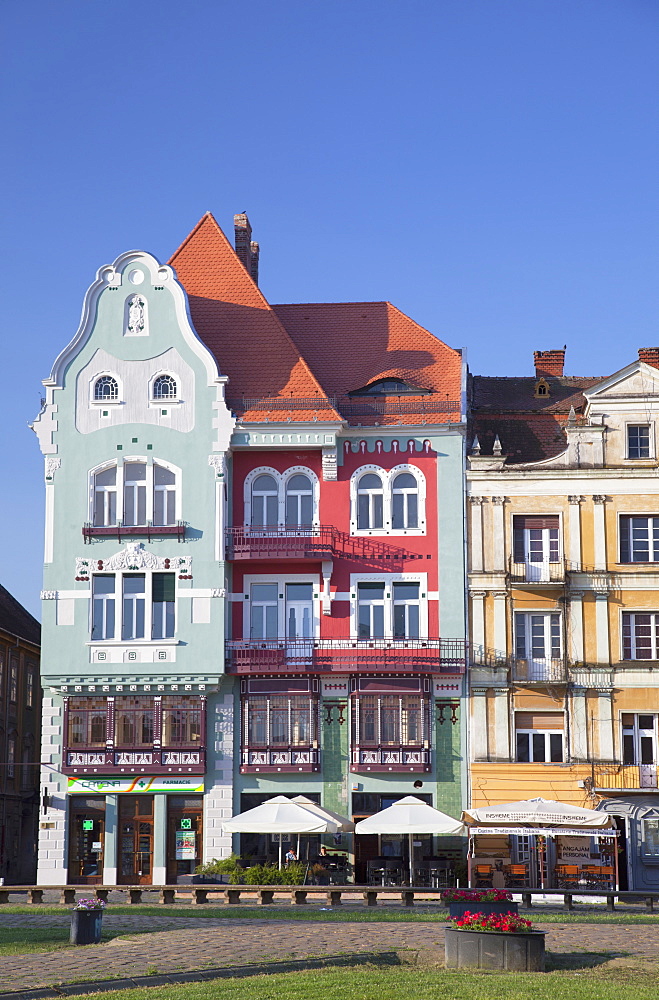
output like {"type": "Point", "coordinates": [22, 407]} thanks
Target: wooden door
{"type": "Point", "coordinates": [135, 840]}
{"type": "Point", "coordinates": [367, 846]}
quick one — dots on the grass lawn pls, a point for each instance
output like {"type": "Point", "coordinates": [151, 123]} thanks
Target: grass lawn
{"type": "Point", "coordinates": [374, 983]}
{"type": "Point", "coordinates": [344, 914]}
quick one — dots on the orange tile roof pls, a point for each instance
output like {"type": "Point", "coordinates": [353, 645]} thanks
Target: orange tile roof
{"type": "Point", "coordinates": [233, 318]}
{"type": "Point", "coordinates": [303, 353]}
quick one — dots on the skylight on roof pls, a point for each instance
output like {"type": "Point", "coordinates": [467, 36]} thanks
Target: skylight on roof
{"type": "Point", "coordinates": [390, 387]}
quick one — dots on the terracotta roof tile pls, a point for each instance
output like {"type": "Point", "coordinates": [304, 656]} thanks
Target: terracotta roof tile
{"type": "Point", "coordinates": [237, 324]}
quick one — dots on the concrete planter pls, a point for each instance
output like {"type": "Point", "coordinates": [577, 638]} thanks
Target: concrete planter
{"type": "Point", "coordinates": [86, 926]}
{"type": "Point", "coordinates": [459, 909]}
{"type": "Point", "coordinates": [494, 950]}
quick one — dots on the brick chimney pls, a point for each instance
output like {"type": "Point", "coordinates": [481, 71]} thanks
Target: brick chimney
{"type": "Point", "coordinates": [246, 250]}
{"type": "Point", "coordinates": [549, 363]}
{"type": "Point", "coordinates": [650, 355]}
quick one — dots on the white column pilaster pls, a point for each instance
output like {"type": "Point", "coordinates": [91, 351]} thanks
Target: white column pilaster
{"type": "Point", "coordinates": [500, 644]}
{"type": "Point", "coordinates": [498, 534]}
{"type": "Point", "coordinates": [478, 617]}
{"type": "Point", "coordinates": [605, 727]}
{"type": "Point", "coordinates": [479, 723]}
{"type": "Point", "coordinates": [574, 534]}
{"type": "Point", "coordinates": [476, 539]}
{"type": "Point", "coordinates": [599, 531]}
{"type": "Point", "coordinates": [575, 647]}
{"type": "Point", "coordinates": [602, 627]}
{"type": "Point", "coordinates": [578, 725]}
{"type": "Point", "coordinates": [501, 725]}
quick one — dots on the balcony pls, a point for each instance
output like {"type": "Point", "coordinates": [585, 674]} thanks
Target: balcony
{"type": "Point", "coordinates": [540, 671]}
{"type": "Point", "coordinates": [368, 656]}
{"type": "Point", "coordinates": [318, 542]}
{"type": "Point", "coordinates": [624, 777]}
{"type": "Point", "coordinates": [535, 574]}
{"type": "Point", "coordinates": [145, 760]}
{"type": "Point", "coordinates": [287, 760]}
{"type": "Point", "coordinates": [389, 758]}
{"type": "Point", "coordinates": [120, 531]}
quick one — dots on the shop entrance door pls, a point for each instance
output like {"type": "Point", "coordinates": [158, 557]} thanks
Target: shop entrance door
{"type": "Point", "coordinates": [86, 840]}
{"type": "Point", "coordinates": [184, 836]}
{"type": "Point", "coordinates": [135, 839]}
{"type": "Point", "coordinates": [367, 847]}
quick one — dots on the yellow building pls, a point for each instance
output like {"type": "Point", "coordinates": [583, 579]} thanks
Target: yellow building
{"type": "Point", "coordinates": [563, 540]}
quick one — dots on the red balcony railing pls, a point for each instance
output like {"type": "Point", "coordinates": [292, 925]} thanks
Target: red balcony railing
{"type": "Point", "coordinates": [284, 759]}
{"type": "Point", "coordinates": [120, 531]}
{"type": "Point", "coordinates": [403, 656]}
{"type": "Point", "coordinates": [321, 542]}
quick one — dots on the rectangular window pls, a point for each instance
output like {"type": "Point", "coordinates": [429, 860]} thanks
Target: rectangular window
{"type": "Point", "coordinates": [638, 441]}
{"type": "Point", "coordinates": [134, 602]}
{"type": "Point", "coordinates": [639, 741]}
{"type": "Point", "coordinates": [640, 635]}
{"type": "Point", "coordinates": [103, 602]}
{"type": "Point", "coordinates": [134, 493]}
{"type": "Point", "coordinates": [536, 541]}
{"type": "Point", "coordinates": [13, 680]}
{"type": "Point", "coordinates": [370, 610]}
{"type": "Point", "coordinates": [278, 721]}
{"type": "Point", "coordinates": [134, 722]}
{"type": "Point", "coordinates": [11, 756]}
{"type": "Point", "coordinates": [651, 837]}
{"type": "Point", "coordinates": [181, 721]}
{"type": "Point", "coordinates": [639, 539]}
{"type": "Point", "coordinates": [264, 611]}
{"type": "Point", "coordinates": [163, 605]}
{"type": "Point", "coordinates": [544, 748]}
{"type": "Point", "coordinates": [29, 689]}
{"type": "Point", "coordinates": [538, 637]}
{"type": "Point", "coordinates": [406, 610]}
{"type": "Point", "coordinates": [105, 497]}
{"type": "Point", "coordinates": [87, 722]}
{"type": "Point", "coordinates": [390, 720]}
{"type": "Point", "coordinates": [164, 496]}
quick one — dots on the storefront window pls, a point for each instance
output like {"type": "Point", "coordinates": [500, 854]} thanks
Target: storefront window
{"type": "Point", "coordinates": [136, 839]}
{"type": "Point", "coordinates": [651, 836]}
{"type": "Point", "coordinates": [86, 840]}
{"type": "Point", "coordinates": [184, 835]}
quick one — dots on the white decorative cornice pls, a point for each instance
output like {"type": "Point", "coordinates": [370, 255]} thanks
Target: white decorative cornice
{"type": "Point", "coordinates": [134, 557]}
{"type": "Point", "coordinates": [218, 462]}
{"type": "Point", "coordinates": [329, 461]}
{"type": "Point", "coordinates": [51, 465]}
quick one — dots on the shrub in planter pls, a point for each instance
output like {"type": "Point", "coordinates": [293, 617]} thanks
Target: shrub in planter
{"type": "Point", "coordinates": [87, 921]}
{"type": "Point", "coordinates": [494, 941]}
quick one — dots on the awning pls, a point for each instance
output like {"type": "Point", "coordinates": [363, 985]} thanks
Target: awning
{"type": "Point", "coordinates": [539, 831]}
{"type": "Point", "coordinates": [543, 812]}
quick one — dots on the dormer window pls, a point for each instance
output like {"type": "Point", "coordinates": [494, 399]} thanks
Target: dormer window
{"type": "Point", "coordinates": [164, 387]}
{"type": "Point", "coordinates": [390, 387]}
{"type": "Point", "coordinates": [106, 389]}
{"type": "Point", "coordinates": [541, 388]}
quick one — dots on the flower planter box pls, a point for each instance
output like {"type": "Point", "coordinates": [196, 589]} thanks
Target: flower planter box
{"type": "Point", "coordinates": [504, 906]}
{"type": "Point", "coordinates": [471, 949]}
{"type": "Point", "coordinates": [86, 926]}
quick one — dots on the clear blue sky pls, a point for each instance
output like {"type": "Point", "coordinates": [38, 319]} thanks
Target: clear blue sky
{"type": "Point", "coordinates": [490, 166]}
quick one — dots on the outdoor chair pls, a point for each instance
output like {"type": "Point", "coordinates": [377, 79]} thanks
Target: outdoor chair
{"type": "Point", "coordinates": [516, 876]}
{"type": "Point", "coordinates": [483, 876]}
{"type": "Point", "coordinates": [567, 876]}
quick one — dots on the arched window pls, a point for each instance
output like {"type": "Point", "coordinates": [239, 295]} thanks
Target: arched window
{"type": "Point", "coordinates": [134, 493]}
{"type": "Point", "coordinates": [404, 502]}
{"type": "Point", "coordinates": [299, 501]}
{"type": "Point", "coordinates": [265, 501]}
{"type": "Point", "coordinates": [370, 502]}
{"type": "Point", "coordinates": [106, 388]}
{"type": "Point", "coordinates": [164, 495]}
{"type": "Point", "coordinates": [164, 387]}
{"type": "Point", "coordinates": [105, 497]}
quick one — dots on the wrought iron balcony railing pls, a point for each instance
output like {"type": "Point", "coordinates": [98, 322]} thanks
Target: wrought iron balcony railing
{"type": "Point", "coordinates": [390, 758]}
{"type": "Point", "coordinates": [318, 542]}
{"type": "Point", "coordinates": [539, 671]}
{"type": "Point", "coordinates": [151, 760]}
{"type": "Point", "coordinates": [120, 531]}
{"type": "Point", "coordinates": [619, 776]}
{"type": "Point", "coordinates": [412, 656]}
{"type": "Point", "coordinates": [288, 760]}
{"type": "Point", "coordinates": [537, 573]}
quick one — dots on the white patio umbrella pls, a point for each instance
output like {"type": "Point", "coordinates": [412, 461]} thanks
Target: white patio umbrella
{"type": "Point", "coordinates": [411, 816]}
{"type": "Point", "coordinates": [540, 812]}
{"type": "Point", "coordinates": [345, 825]}
{"type": "Point", "coordinates": [280, 815]}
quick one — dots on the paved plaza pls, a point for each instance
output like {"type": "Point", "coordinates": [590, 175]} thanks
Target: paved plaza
{"type": "Point", "coordinates": [184, 943]}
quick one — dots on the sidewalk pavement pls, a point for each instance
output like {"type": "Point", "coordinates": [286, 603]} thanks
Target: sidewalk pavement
{"type": "Point", "coordinates": [173, 944]}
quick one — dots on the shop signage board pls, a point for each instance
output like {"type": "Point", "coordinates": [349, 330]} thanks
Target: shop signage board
{"type": "Point", "coordinates": [134, 786]}
{"type": "Point", "coordinates": [537, 831]}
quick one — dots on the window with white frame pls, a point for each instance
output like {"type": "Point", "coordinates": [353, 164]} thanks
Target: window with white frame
{"type": "Point", "coordinates": [539, 737]}
{"type": "Point", "coordinates": [388, 500]}
{"type": "Point", "coordinates": [639, 738]}
{"type": "Point", "coordinates": [146, 600]}
{"type": "Point", "coordinates": [264, 611]}
{"type": "Point", "coordinates": [638, 441]}
{"type": "Point", "coordinates": [106, 389]}
{"type": "Point", "coordinates": [286, 499]}
{"type": "Point", "coordinates": [390, 608]}
{"type": "Point", "coordinates": [639, 538]}
{"type": "Point", "coordinates": [370, 502]}
{"type": "Point", "coordinates": [538, 636]}
{"type": "Point", "coordinates": [536, 539]}
{"type": "Point", "coordinates": [640, 635]}
{"type": "Point", "coordinates": [650, 839]}
{"type": "Point", "coordinates": [164, 387]}
{"type": "Point", "coordinates": [135, 493]}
